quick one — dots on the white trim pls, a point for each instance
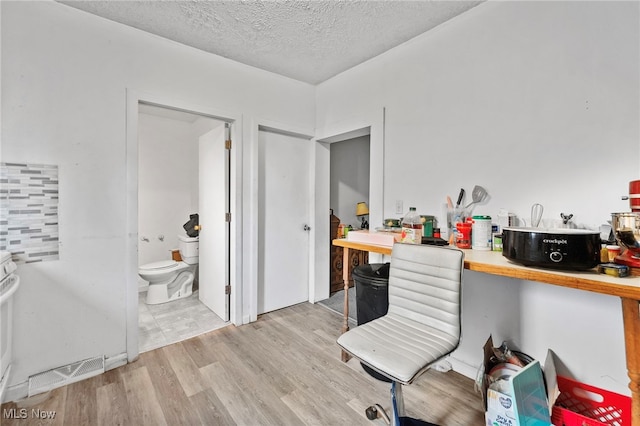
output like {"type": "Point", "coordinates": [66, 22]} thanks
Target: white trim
{"type": "Point", "coordinates": [16, 392]}
{"type": "Point", "coordinates": [115, 361]}
{"type": "Point", "coordinates": [373, 125]}
{"type": "Point", "coordinates": [250, 195]}
{"type": "Point", "coordinates": [4, 380]}
{"type": "Point", "coordinates": [463, 367]}
{"type": "Point", "coordinates": [131, 249]}
{"type": "Point", "coordinates": [236, 258]}
{"type": "Point", "coordinates": [133, 98]}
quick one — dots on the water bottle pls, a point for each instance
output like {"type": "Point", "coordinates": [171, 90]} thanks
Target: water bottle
{"type": "Point", "coordinates": [411, 227]}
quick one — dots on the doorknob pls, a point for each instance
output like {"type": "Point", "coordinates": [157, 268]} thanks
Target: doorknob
{"type": "Point", "coordinates": [306, 227]}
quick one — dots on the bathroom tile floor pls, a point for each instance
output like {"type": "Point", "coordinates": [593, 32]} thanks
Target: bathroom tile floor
{"type": "Point", "coordinates": [167, 323]}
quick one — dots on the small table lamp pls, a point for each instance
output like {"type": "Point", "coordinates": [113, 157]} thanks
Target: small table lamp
{"type": "Point", "coordinates": [361, 211]}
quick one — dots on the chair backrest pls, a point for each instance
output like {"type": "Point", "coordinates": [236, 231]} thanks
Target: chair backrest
{"type": "Point", "coordinates": [425, 285]}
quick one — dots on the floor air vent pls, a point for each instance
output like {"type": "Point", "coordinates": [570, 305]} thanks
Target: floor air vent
{"type": "Point", "coordinates": [43, 382]}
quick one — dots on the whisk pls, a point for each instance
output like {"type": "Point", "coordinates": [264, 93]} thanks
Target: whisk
{"type": "Point", "coordinates": [536, 214]}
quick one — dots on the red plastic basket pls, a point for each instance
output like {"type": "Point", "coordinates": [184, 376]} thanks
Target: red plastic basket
{"type": "Point", "coordinates": [583, 405]}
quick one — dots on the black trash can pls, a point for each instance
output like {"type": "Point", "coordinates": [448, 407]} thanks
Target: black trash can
{"type": "Point", "coordinates": [372, 297]}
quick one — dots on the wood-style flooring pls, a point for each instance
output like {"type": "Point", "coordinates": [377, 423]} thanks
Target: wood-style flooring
{"type": "Point", "coordinates": [283, 369]}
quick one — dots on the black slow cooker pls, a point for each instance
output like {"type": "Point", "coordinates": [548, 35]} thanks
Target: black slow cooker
{"type": "Point", "coordinates": [568, 249]}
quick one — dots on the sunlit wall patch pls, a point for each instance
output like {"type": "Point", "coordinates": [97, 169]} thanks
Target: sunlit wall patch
{"type": "Point", "coordinates": [29, 211]}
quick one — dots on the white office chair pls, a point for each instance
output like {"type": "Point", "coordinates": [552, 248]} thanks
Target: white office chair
{"type": "Point", "coordinates": [423, 324]}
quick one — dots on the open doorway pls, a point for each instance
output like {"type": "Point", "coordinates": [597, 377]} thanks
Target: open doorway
{"type": "Point", "coordinates": [371, 124]}
{"type": "Point", "coordinates": [349, 186]}
{"type": "Point", "coordinates": [229, 288]}
{"type": "Point", "coordinates": [171, 148]}
{"type": "Point", "coordinates": [349, 178]}
{"type": "Point", "coordinates": [348, 199]}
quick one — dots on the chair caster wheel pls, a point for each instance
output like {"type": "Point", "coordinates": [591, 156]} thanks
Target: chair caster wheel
{"type": "Point", "coordinates": [375, 411]}
{"type": "Point", "coordinates": [371, 412]}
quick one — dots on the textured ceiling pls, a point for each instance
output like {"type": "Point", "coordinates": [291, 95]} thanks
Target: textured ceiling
{"type": "Point", "coordinates": [309, 41]}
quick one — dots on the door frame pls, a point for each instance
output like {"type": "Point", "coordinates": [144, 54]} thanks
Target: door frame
{"type": "Point", "coordinates": [373, 124]}
{"type": "Point", "coordinates": [251, 211]}
{"type": "Point", "coordinates": [133, 99]}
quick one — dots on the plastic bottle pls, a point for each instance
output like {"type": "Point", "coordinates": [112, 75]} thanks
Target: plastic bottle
{"type": "Point", "coordinates": [411, 227]}
{"type": "Point", "coordinates": [481, 233]}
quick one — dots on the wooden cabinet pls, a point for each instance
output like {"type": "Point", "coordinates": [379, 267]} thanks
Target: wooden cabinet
{"type": "Point", "coordinates": [356, 257]}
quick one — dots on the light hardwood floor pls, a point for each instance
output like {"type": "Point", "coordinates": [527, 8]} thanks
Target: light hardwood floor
{"type": "Point", "coordinates": [283, 369]}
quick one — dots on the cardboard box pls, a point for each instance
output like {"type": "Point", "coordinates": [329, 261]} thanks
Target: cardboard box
{"type": "Point", "coordinates": [382, 238]}
{"type": "Point", "coordinates": [500, 409]}
{"type": "Point", "coordinates": [497, 419]}
{"type": "Point", "coordinates": [175, 255]}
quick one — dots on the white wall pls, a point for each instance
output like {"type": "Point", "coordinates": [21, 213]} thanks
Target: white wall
{"type": "Point", "coordinates": [167, 181]}
{"type": "Point", "coordinates": [64, 80]}
{"type": "Point", "coordinates": [349, 178]}
{"type": "Point", "coordinates": [537, 102]}
{"type": "Point", "coordinates": [167, 158]}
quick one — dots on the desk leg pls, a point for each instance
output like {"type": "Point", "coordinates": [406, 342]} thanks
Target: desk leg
{"type": "Point", "coordinates": [345, 278]}
{"type": "Point", "coordinates": [631, 319]}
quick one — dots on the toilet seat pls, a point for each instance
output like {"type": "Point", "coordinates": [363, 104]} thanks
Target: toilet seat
{"type": "Point", "coordinates": [162, 265]}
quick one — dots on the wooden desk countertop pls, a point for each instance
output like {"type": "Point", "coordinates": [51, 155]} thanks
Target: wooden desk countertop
{"type": "Point", "coordinates": [492, 262]}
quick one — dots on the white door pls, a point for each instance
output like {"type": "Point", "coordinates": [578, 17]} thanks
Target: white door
{"type": "Point", "coordinates": [283, 203]}
{"type": "Point", "coordinates": [214, 235]}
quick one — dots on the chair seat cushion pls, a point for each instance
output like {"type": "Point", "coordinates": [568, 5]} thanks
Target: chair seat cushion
{"type": "Point", "coordinates": [397, 347]}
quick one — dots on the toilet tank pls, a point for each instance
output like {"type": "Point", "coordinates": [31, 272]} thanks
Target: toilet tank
{"type": "Point", "coordinates": [188, 247]}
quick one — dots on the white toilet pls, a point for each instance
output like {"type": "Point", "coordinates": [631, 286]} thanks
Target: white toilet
{"type": "Point", "coordinates": [171, 280]}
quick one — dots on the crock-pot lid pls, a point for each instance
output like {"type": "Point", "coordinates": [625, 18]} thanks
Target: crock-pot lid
{"type": "Point", "coordinates": [162, 264]}
{"type": "Point", "coordinates": [555, 231]}
{"type": "Point", "coordinates": [4, 256]}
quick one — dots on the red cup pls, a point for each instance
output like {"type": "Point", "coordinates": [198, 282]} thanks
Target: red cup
{"type": "Point", "coordinates": [463, 236]}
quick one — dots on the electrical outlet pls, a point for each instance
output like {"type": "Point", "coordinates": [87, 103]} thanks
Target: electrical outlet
{"type": "Point", "coordinates": [399, 209]}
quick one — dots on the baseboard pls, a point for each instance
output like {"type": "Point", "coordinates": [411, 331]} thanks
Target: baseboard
{"type": "Point", "coordinates": [4, 381]}
{"type": "Point", "coordinates": [115, 361]}
{"type": "Point", "coordinates": [16, 392]}
{"type": "Point", "coordinates": [463, 368]}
